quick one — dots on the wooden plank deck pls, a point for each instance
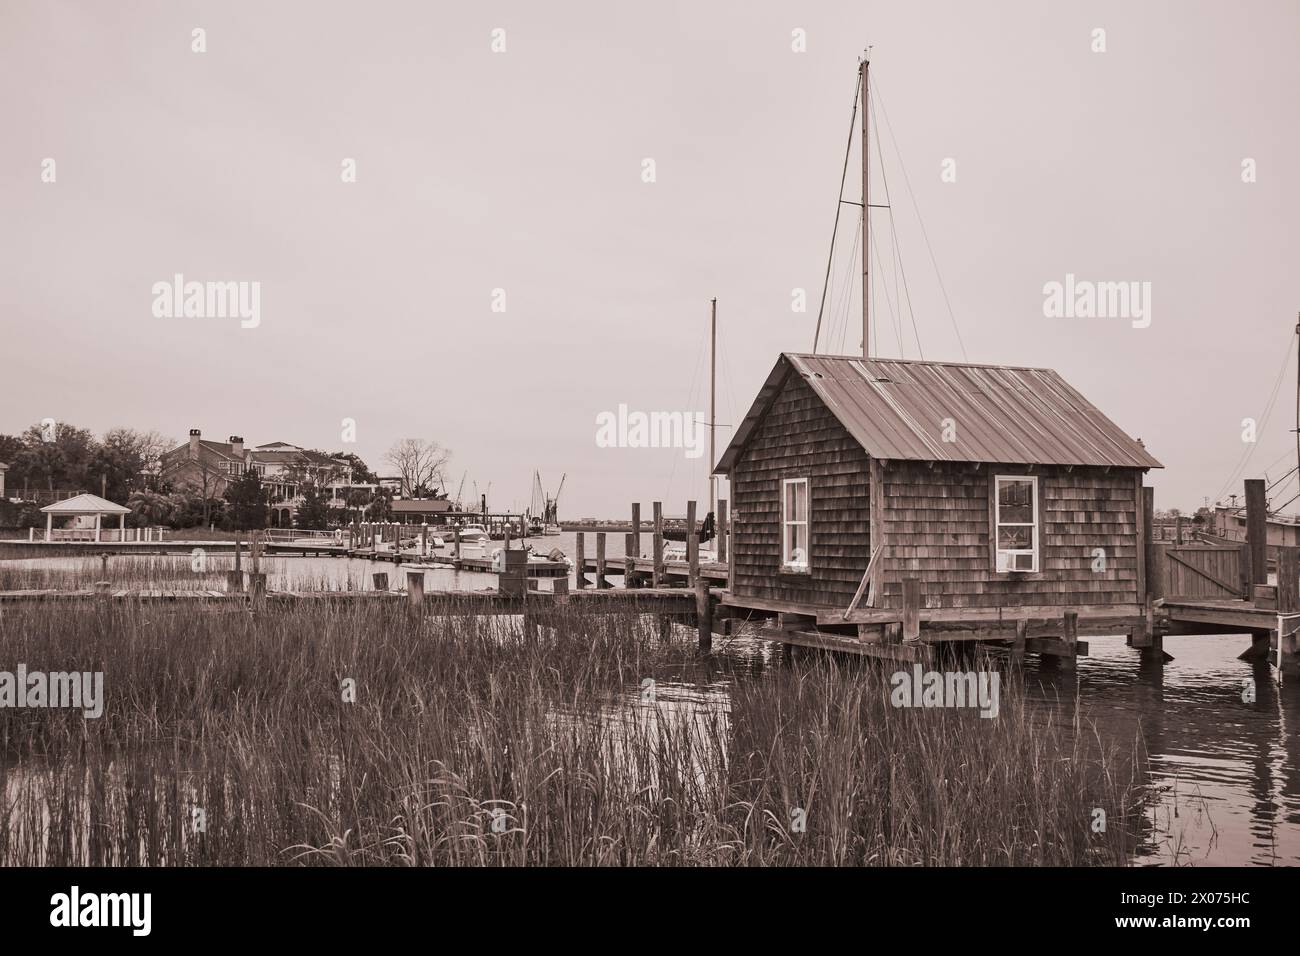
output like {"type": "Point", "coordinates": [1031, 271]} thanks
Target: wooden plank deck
{"type": "Point", "coordinates": [1234, 616]}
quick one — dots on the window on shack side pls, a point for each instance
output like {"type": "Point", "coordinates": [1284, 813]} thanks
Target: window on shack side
{"type": "Point", "coordinates": [794, 525]}
{"type": "Point", "coordinates": [1016, 522]}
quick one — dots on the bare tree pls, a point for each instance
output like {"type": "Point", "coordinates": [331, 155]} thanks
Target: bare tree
{"type": "Point", "coordinates": [419, 463]}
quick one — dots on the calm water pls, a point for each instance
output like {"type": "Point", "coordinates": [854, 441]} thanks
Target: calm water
{"type": "Point", "coordinates": [1227, 773]}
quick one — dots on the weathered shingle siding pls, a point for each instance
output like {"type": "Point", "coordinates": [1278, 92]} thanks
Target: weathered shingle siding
{"type": "Point", "coordinates": [798, 438]}
{"type": "Point", "coordinates": [937, 529]}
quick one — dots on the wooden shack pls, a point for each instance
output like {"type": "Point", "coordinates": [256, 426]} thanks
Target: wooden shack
{"type": "Point", "coordinates": [992, 494]}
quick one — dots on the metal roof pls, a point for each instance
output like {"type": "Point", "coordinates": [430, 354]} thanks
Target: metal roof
{"type": "Point", "coordinates": [897, 409]}
{"type": "Point", "coordinates": [420, 505]}
{"type": "Point", "coordinates": [85, 505]}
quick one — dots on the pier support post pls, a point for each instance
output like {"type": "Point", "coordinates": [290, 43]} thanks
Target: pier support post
{"type": "Point", "coordinates": [692, 546]}
{"type": "Point", "coordinates": [380, 578]}
{"type": "Point", "coordinates": [704, 614]}
{"type": "Point", "coordinates": [665, 628]}
{"type": "Point", "coordinates": [1070, 640]}
{"type": "Point", "coordinates": [911, 610]}
{"type": "Point", "coordinates": [234, 581]}
{"type": "Point", "coordinates": [424, 540]}
{"type": "Point", "coordinates": [1261, 644]}
{"type": "Point", "coordinates": [580, 559]}
{"type": "Point", "coordinates": [415, 589]}
{"type": "Point", "coordinates": [634, 549]}
{"type": "Point", "coordinates": [629, 562]}
{"type": "Point", "coordinates": [601, 583]}
{"type": "Point", "coordinates": [1288, 659]}
{"type": "Point", "coordinates": [257, 590]}
{"type": "Point", "coordinates": [1288, 613]}
{"type": "Point", "coordinates": [722, 531]}
{"type": "Point", "coordinates": [1018, 648]}
{"type": "Point", "coordinates": [1256, 532]}
{"type": "Point", "coordinates": [657, 576]}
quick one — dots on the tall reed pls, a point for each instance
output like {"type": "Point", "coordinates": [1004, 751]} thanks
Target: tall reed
{"type": "Point", "coordinates": [478, 741]}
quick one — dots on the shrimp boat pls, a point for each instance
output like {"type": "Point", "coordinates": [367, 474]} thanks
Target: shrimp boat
{"type": "Point", "coordinates": [543, 510]}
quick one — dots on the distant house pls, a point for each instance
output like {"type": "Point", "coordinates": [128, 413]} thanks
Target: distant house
{"type": "Point", "coordinates": [283, 469]}
{"type": "Point", "coordinates": [996, 487]}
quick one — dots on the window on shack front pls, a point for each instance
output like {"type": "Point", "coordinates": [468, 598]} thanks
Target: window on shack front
{"type": "Point", "coordinates": [794, 525]}
{"type": "Point", "coordinates": [1016, 523]}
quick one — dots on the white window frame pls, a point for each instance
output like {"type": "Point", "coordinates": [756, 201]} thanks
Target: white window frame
{"type": "Point", "coordinates": [1036, 546]}
{"type": "Point", "coordinates": [787, 564]}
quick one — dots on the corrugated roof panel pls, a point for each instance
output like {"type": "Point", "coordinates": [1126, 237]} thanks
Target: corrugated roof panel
{"type": "Point", "coordinates": [896, 409]}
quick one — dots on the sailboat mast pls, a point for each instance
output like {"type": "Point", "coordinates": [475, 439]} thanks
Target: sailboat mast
{"type": "Point", "coordinates": [713, 398]}
{"type": "Point", "coordinates": [866, 209]}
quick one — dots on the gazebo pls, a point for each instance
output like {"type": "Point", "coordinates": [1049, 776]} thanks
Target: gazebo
{"type": "Point", "coordinates": [86, 505]}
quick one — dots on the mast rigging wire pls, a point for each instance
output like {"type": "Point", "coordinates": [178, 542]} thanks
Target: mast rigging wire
{"type": "Point", "coordinates": [835, 228]}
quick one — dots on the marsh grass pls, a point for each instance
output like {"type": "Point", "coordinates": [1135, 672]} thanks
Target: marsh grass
{"type": "Point", "coordinates": [475, 741]}
{"type": "Point", "coordinates": [176, 572]}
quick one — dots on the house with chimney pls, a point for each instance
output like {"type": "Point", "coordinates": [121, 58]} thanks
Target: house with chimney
{"type": "Point", "coordinates": [210, 467]}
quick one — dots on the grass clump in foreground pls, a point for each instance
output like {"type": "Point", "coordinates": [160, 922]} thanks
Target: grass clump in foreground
{"type": "Point", "coordinates": [475, 741]}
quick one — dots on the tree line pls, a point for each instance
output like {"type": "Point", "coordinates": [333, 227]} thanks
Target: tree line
{"type": "Point", "coordinates": [124, 466]}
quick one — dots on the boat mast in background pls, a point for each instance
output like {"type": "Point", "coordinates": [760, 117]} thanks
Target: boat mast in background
{"type": "Point", "coordinates": [864, 69]}
{"type": "Point", "coordinates": [713, 402]}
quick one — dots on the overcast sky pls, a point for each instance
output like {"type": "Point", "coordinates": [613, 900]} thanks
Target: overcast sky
{"type": "Point", "coordinates": [523, 171]}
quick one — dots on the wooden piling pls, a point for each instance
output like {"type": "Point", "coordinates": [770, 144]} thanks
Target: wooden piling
{"type": "Point", "coordinates": [381, 580]}
{"type": "Point", "coordinates": [692, 546]}
{"type": "Point", "coordinates": [257, 590]}
{"type": "Point", "coordinates": [1288, 606]}
{"type": "Point", "coordinates": [704, 614]}
{"type": "Point", "coordinates": [455, 540]}
{"type": "Point", "coordinates": [1257, 530]}
{"type": "Point", "coordinates": [657, 577]}
{"type": "Point", "coordinates": [1288, 585]}
{"type": "Point", "coordinates": [234, 581]}
{"type": "Point", "coordinates": [1070, 638]}
{"type": "Point", "coordinates": [415, 589]}
{"type": "Point", "coordinates": [634, 549]}
{"type": "Point", "coordinates": [600, 561]}
{"type": "Point", "coordinates": [1153, 575]}
{"type": "Point", "coordinates": [722, 530]}
{"type": "Point", "coordinates": [580, 559]}
{"type": "Point", "coordinates": [424, 540]}
{"type": "Point", "coordinates": [1018, 649]}
{"type": "Point", "coordinates": [911, 610]}
{"type": "Point", "coordinates": [560, 585]}
{"type": "Point", "coordinates": [629, 562]}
